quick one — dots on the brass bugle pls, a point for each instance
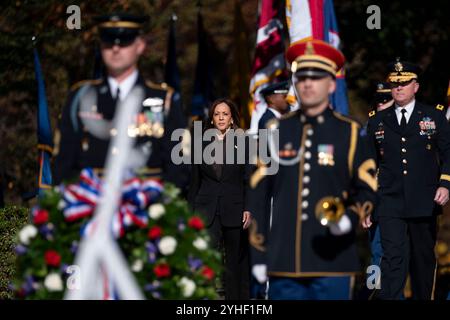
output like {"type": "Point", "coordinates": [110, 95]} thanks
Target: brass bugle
{"type": "Point", "coordinates": [329, 210]}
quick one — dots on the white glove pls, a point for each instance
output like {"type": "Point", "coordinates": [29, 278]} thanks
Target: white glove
{"type": "Point", "coordinates": [259, 271]}
{"type": "Point", "coordinates": [343, 226]}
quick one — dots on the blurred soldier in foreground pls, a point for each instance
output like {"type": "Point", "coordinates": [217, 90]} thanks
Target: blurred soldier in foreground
{"type": "Point", "coordinates": [411, 143]}
{"type": "Point", "coordinates": [324, 187]}
{"type": "Point", "coordinates": [121, 46]}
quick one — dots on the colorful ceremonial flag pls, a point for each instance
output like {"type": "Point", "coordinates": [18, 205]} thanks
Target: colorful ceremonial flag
{"type": "Point", "coordinates": [269, 62]}
{"type": "Point", "coordinates": [45, 139]}
{"type": "Point", "coordinates": [172, 72]}
{"type": "Point", "coordinates": [240, 68]}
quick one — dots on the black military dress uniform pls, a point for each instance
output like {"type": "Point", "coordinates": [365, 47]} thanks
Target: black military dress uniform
{"type": "Point", "coordinates": [412, 163]}
{"type": "Point", "coordinates": [298, 245]}
{"type": "Point", "coordinates": [78, 148]}
{"type": "Point", "coordinates": [323, 168]}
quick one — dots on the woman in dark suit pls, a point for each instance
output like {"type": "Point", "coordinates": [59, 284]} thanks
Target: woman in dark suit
{"type": "Point", "coordinates": [219, 190]}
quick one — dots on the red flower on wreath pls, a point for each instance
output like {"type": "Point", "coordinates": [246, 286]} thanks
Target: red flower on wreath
{"type": "Point", "coordinates": [52, 258]}
{"type": "Point", "coordinates": [155, 232]}
{"type": "Point", "coordinates": [40, 216]}
{"type": "Point", "coordinates": [162, 270]}
{"type": "Point", "coordinates": [208, 273]}
{"type": "Point", "coordinates": [196, 223]}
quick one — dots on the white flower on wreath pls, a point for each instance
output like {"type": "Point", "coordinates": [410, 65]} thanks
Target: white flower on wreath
{"type": "Point", "coordinates": [167, 245]}
{"type": "Point", "coordinates": [27, 233]}
{"type": "Point", "coordinates": [61, 204]}
{"type": "Point", "coordinates": [188, 287]}
{"type": "Point", "coordinates": [200, 243]}
{"type": "Point", "coordinates": [137, 265]}
{"type": "Point", "coordinates": [155, 211]}
{"type": "Point", "coordinates": [53, 282]}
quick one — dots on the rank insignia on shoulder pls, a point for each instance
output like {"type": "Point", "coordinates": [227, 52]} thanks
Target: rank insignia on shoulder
{"type": "Point", "coordinates": [440, 107]}
{"type": "Point", "coordinates": [372, 113]}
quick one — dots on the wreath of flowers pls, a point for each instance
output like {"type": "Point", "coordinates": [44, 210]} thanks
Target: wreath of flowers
{"type": "Point", "coordinates": [165, 243]}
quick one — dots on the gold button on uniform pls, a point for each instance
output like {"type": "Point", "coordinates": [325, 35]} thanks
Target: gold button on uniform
{"type": "Point", "coordinates": [405, 172]}
{"type": "Point", "coordinates": [404, 161]}
{"type": "Point", "coordinates": [403, 139]}
{"type": "Point", "coordinates": [403, 150]}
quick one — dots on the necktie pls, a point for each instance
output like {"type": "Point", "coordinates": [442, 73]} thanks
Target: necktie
{"type": "Point", "coordinates": [117, 96]}
{"type": "Point", "coordinates": [403, 120]}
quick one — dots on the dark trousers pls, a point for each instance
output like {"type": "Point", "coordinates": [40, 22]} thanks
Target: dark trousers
{"type": "Point", "coordinates": [314, 288]}
{"type": "Point", "coordinates": [408, 246]}
{"type": "Point", "coordinates": [237, 267]}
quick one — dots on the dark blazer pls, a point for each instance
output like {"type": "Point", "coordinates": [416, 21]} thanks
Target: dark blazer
{"type": "Point", "coordinates": [225, 195]}
{"type": "Point", "coordinates": [413, 163]}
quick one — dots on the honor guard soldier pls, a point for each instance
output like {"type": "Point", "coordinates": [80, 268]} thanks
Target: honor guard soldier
{"type": "Point", "coordinates": [275, 97]}
{"type": "Point", "coordinates": [411, 143]}
{"type": "Point", "coordinates": [122, 45]}
{"type": "Point", "coordinates": [277, 106]}
{"type": "Point", "coordinates": [324, 186]}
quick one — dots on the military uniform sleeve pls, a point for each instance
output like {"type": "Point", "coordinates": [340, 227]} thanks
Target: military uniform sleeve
{"type": "Point", "coordinates": [363, 195]}
{"type": "Point", "coordinates": [444, 149]}
{"type": "Point", "coordinates": [68, 146]}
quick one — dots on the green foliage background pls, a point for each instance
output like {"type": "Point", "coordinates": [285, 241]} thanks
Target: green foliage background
{"type": "Point", "coordinates": [417, 31]}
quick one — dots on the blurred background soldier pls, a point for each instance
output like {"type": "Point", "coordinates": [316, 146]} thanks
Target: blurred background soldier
{"type": "Point", "coordinates": [382, 99]}
{"type": "Point", "coordinates": [275, 96]}
{"type": "Point", "coordinates": [122, 45]}
{"type": "Point", "coordinates": [411, 142]}
{"type": "Point", "coordinates": [324, 186]}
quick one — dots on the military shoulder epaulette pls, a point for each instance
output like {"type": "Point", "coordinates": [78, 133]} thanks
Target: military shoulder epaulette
{"type": "Point", "coordinates": [81, 83]}
{"type": "Point", "coordinates": [346, 119]}
{"type": "Point", "coordinates": [272, 124]}
{"type": "Point", "coordinates": [372, 113]}
{"type": "Point", "coordinates": [163, 86]}
{"type": "Point", "coordinates": [440, 107]}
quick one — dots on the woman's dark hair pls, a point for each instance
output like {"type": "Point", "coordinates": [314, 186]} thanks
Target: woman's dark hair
{"type": "Point", "coordinates": [233, 108]}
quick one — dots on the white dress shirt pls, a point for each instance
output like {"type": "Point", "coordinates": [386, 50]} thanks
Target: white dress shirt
{"type": "Point", "coordinates": [409, 110]}
{"type": "Point", "coordinates": [125, 85]}
{"type": "Point", "coordinates": [276, 113]}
